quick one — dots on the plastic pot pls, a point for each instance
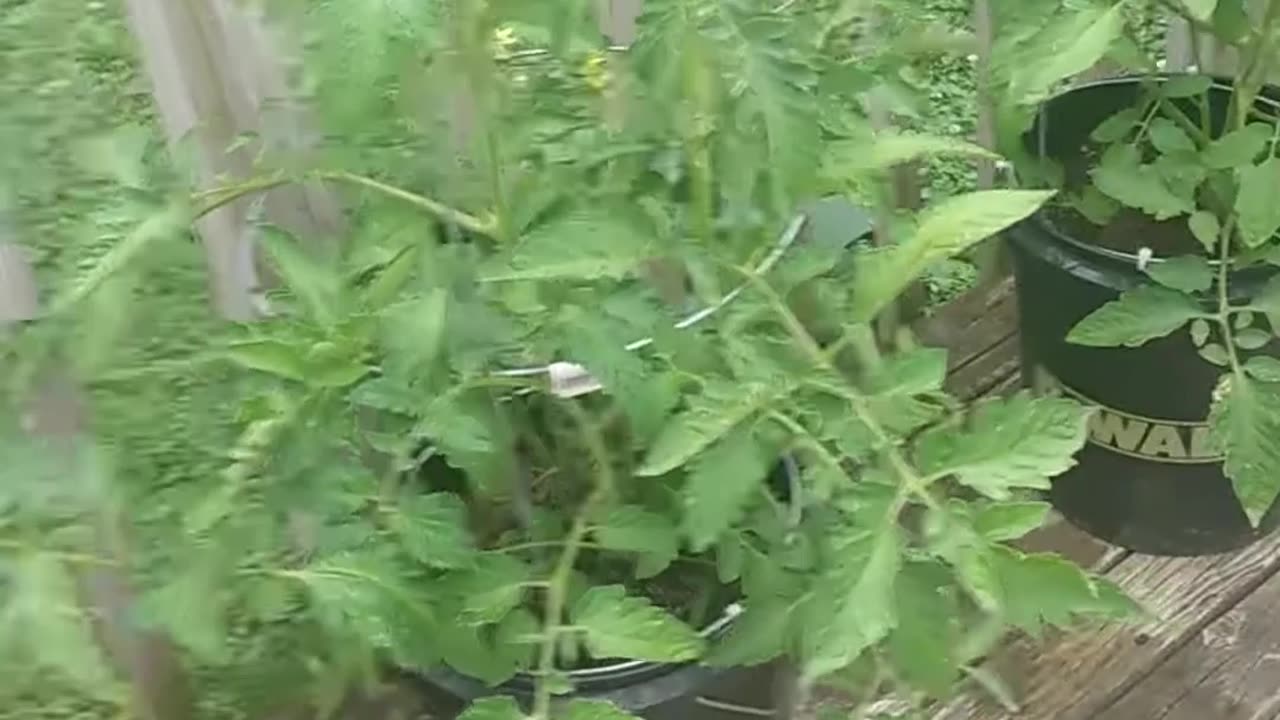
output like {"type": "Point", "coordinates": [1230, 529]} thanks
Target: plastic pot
{"type": "Point", "coordinates": [1148, 478]}
{"type": "Point", "coordinates": [655, 691]}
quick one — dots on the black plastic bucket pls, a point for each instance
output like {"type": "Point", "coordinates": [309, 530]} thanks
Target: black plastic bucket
{"type": "Point", "coordinates": [1148, 479]}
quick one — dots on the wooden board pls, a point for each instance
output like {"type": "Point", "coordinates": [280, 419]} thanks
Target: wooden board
{"type": "Point", "coordinates": [1078, 675]}
{"type": "Point", "coordinates": [1227, 671]}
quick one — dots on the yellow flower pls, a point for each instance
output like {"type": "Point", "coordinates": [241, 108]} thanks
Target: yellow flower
{"type": "Point", "coordinates": [596, 71]}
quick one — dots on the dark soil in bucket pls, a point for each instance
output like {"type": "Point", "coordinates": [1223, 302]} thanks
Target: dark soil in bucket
{"type": "Point", "coordinates": [1149, 478]}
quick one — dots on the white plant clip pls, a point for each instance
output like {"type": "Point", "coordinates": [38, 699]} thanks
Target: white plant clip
{"type": "Point", "coordinates": [570, 380]}
{"type": "Point", "coordinates": [1144, 258]}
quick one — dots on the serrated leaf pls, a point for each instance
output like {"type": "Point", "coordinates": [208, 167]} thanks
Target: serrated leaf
{"type": "Point", "coordinates": [1188, 273]}
{"type": "Point", "coordinates": [1237, 148]}
{"type": "Point", "coordinates": [1215, 354]}
{"type": "Point", "coordinates": [471, 651]}
{"type": "Point", "coordinates": [1168, 137]}
{"type": "Point", "coordinates": [488, 590]}
{"type": "Point", "coordinates": [593, 710]}
{"type": "Point", "coordinates": [1041, 589]}
{"type": "Point", "coordinates": [722, 482]}
{"type": "Point", "coordinates": [412, 332]}
{"type": "Point", "coordinates": [1252, 338]}
{"type": "Point", "coordinates": [191, 607]}
{"type": "Point", "coordinates": [948, 228]}
{"type": "Point", "coordinates": [433, 528]}
{"type": "Point", "coordinates": [999, 522]}
{"type": "Point", "coordinates": [1205, 226]}
{"type": "Point", "coordinates": [317, 285]}
{"type": "Point", "coordinates": [1258, 213]}
{"type": "Point", "coordinates": [921, 645]}
{"type": "Point", "coordinates": [909, 373]}
{"type": "Point", "coordinates": [1246, 424]}
{"type": "Point", "coordinates": [712, 414]}
{"type": "Point", "coordinates": [493, 708]}
{"type": "Point", "coordinates": [1201, 9]}
{"type": "Point", "coordinates": [1200, 332]}
{"type": "Point", "coordinates": [586, 245]}
{"type": "Point", "coordinates": [1266, 369]}
{"type": "Point", "coordinates": [1016, 442]}
{"type": "Point", "coordinates": [1120, 175]}
{"type": "Point", "coordinates": [620, 626]}
{"type": "Point", "coordinates": [365, 594]}
{"type": "Point", "coordinates": [730, 557]}
{"type": "Point", "coordinates": [1138, 316]}
{"type": "Point", "coordinates": [1243, 319]}
{"type": "Point", "coordinates": [858, 595]}
{"type": "Point", "coordinates": [1117, 126]}
{"type": "Point", "coordinates": [636, 530]}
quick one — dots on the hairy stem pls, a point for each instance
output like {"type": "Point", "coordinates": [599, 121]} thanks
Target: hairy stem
{"type": "Point", "coordinates": [558, 585]}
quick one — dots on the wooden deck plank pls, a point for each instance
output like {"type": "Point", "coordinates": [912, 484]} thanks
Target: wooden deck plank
{"type": "Point", "coordinates": [1077, 675]}
{"type": "Point", "coordinates": [1227, 671]}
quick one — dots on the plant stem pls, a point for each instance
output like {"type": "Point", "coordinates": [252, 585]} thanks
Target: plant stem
{"type": "Point", "coordinates": [1224, 301]}
{"type": "Point", "coordinates": [558, 585]}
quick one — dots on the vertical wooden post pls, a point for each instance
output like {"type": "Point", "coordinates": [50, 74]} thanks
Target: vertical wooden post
{"type": "Point", "coordinates": [55, 415]}
{"type": "Point", "coordinates": [213, 76]}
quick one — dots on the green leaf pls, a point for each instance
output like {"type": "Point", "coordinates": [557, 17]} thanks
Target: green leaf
{"type": "Point", "coordinates": [365, 594]}
{"type": "Point", "coordinates": [714, 413]}
{"type": "Point", "coordinates": [1201, 9]}
{"type": "Point", "coordinates": [910, 373]}
{"type": "Point", "coordinates": [316, 284]}
{"type": "Point", "coordinates": [471, 651]}
{"type": "Point", "coordinates": [1188, 273]}
{"type": "Point", "coordinates": [758, 635]}
{"type": "Point", "coordinates": [191, 607]}
{"type": "Point", "coordinates": [1231, 20]}
{"type": "Point", "coordinates": [855, 604]}
{"type": "Point", "coordinates": [593, 710]}
{"type": "Point", "coordinates": [117, 155]}
{"type": "Point", "coordinates": [490, 589]}
{"type": "Point", "coordinates": [921, 645]}
{"type": "Point", "coordinates": [1016, 442]}
{"type": "Point", "coordinates": [730, 557]}
{"type": "Point", "coordinates": [493, 708]}
{"type": "Point", "coordinates": [1139, 315]}
{"type": "Point", "coordinates": [1200, 331]}
{"type": "Point", "coordinates": [1205, 226]}
{"type": "Point", "coordinates": [412, 332]}
{"type": "Point", "coordinates": [1117, 126]}
{"type": "Point", "coordinates": [434, 530]}
{"type": "Point", "coordinates": [275, 357]}
{"type": "Point", "coordinates": [1086, 36]}
{"type": "Point", "coordinates": [717, 491]}
{"type": "Point", "coordinates": [1246, 424]}
{"type": "Point", "coordinates": [1252, 339]}
{"type": "Point", "coordinates": [587, 245]}
{"type": "Point", "coordinates": [1168, 137]}
{"type": "Point", "coordinates": [1258, 213]}
{"type": "Point", "coordinates": [1215, 354]}
{"type": "Point", "coordinates": [44, 613]}
{"type": "Point", "coordinates": [1237, 148]}
{"type": "Point", "coordinates": [1181, 86]}
{"type": "Point", "coordinates": [1041, 589]}
{"type": "Point", "coordinates": [999, 522]}
{"type": "Point", "coordinates": [889, 149]}
{"type": "Point", "coordinates": [621, 626]}
{"type": "Point", "coordinates": [1266, 369]}
{"type": "Point", "coordinates": [1121, 175]}
{"type": "Point", "coordinates": [950, 227]}
{"type": "Point", "coordinates": [636, 530]}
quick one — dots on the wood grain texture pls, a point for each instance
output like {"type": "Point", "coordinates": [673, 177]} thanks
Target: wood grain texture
{"type": "Point", "coordinates": [972, 324]}
{"type": "Point", "coordinates": [1227, 671]}
{"type": "Point", "coordinates": [1079, 674]}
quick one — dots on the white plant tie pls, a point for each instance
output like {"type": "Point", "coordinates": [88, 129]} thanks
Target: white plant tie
{"type": "Point", "coordinates": [1144, 258]}
{"type": "Point", "coordinates": [570, 379]}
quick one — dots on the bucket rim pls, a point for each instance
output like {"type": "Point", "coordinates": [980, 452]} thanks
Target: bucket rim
{"type": "Point", "coordinates": [1042, 220]}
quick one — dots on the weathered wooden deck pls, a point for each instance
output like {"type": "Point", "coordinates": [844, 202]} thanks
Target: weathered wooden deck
{"type": "Point", "coordinates": [1212, 648]}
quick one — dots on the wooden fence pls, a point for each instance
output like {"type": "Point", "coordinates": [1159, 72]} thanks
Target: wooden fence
{"type": "Point", "coordinates": [218, 71]}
